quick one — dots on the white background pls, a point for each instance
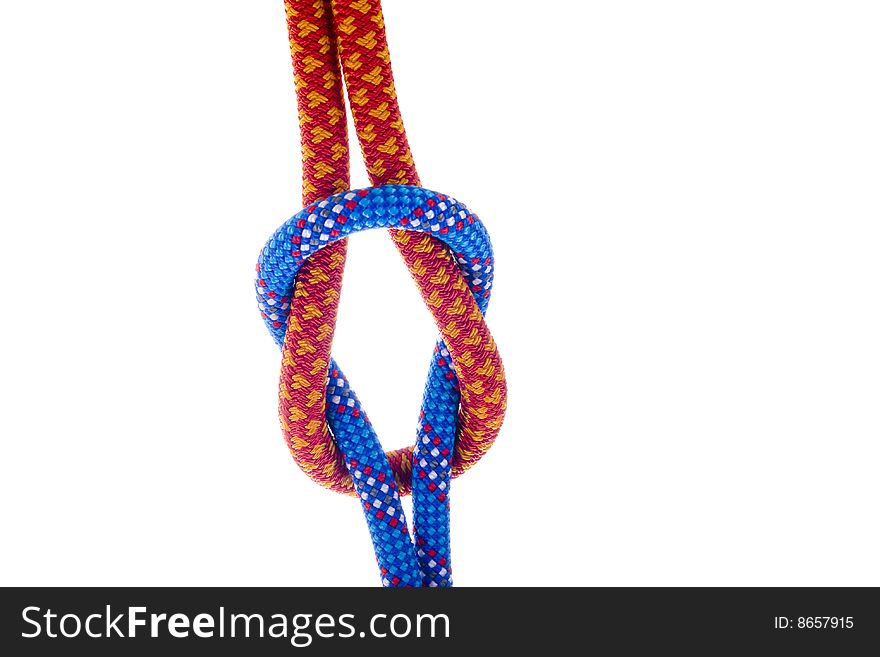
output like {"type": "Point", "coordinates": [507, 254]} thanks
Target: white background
{"type": "Point", "coordinates": [683, 198]}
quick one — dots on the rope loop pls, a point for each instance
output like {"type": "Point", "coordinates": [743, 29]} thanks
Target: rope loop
{"type": "Point", "coordinates": [466, 379]}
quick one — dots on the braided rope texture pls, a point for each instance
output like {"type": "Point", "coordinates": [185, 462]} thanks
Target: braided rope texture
{"type": "Point", "coordinates": [360, 30]}
{"type": "Point", "coordinates": [305, 313]}
{"type": "Point", "coordinates": [325, 169]}
{"type": "Point", "coordinates": [316, 228]}
{"type": "Point", "coordinates": [320, 100]}
{"type": "Point", "coordinates": [366, 65]}
{"type": "Point", "coordinates": [374, 482]}
{"type": "Point", "coordinates": [314, 304]}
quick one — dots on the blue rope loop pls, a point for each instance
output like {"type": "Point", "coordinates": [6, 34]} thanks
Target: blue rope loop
{"type": "Point", "coordinates": [402, 562]}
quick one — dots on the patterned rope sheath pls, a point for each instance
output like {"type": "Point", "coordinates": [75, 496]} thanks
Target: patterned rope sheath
{"type": "Point", "coordinates": [311, 306]}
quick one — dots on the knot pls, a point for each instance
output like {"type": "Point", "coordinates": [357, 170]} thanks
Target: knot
{"type": "Point", "coordinates": [464, 400]}
{"type": "Point", "coordinates": [467, 342]}
{"type": "Point", "coordinates": [465, 396]}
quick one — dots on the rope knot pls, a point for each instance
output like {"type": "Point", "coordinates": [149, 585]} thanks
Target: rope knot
{"type": "Point", "coordinates": [455, 429]}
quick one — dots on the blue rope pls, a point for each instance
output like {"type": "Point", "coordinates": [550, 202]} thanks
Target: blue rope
{"type": "Point", "coordinates": [427, 562]}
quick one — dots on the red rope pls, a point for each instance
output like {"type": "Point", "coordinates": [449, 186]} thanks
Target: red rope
{"type": "Point", "coordinates": [363, 51]}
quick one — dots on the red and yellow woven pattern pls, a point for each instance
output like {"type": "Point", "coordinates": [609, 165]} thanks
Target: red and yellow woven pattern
{"type": "Point", "coordinates": [325, 162]}
{"type": "Point", "coordinates": [320, 100]}
{"type": "Point", "coordinates": [366, 63]}
{"type": "Point", "coordinates": [359, 28]}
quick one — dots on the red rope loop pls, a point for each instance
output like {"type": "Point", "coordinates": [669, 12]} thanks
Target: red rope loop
{"type": "Point", "coordinates": [356, 27]}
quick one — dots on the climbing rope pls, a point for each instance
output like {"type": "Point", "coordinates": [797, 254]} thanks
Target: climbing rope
{"type": "Point", "coordinates": [299, 275]}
